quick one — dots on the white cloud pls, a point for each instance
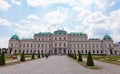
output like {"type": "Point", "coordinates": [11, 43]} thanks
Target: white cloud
{"type": "Point", "coordinates": [55, 17]}
{"type": "Point", "coordinates": [32, 16]}
{"type": "Point", "coordinates": [16, 2]}
{"type": "Point", "coordinates": [24, 21]}
{"type": "Point", "coordinates": [4, 5]}
{"type": "Point", "coordinates": [4, 42]}
{"type": "Point", "coordinates": [35, 3]}
{"type": "Point", "coordinates": [5, 22]}
{"type": "Point", "coordinates": [103, 4]}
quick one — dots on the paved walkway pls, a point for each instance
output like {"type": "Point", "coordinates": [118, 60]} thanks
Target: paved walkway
{"type": "Point", "coordinates": [57, 65]}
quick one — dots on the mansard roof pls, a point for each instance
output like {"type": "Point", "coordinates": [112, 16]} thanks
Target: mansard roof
{"type": "Point", "coordinates": [27, 39]}
{"type": "Point", "coordinates": [43, 34]}
{"type": "Point", "coordinates": [59, 32]}
{"type": "Point", "coordinates": [77, 34]}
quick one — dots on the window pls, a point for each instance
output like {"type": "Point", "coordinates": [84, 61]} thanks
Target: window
{"type": "Point", "coordinates": [64, 44]}
{"type": "Point", "coordinates": [55, 44]}
{"type": "Point", "coordinates": [27, 51]}
{"type": "Point", "coordinates": [101, 52]}
{"type": "Point", "coordinates": [64, 38]}
{"type": "Point", "coordinates": [15, 51]}
{"type": "Point", "coordinates": [92, 45]}
{"type": "Point", "coordinates": [86, 51]}
{"type": "Point", "coordinates": [49, 45]}
{"type": "Point", "coordinates": [11, 44]}
{"type": "Point", "coordinates": [20, 45]}
{"type": "Point", "coordinates": [23, 45]}
{"type": "Point", "coordinates": [59, 38]}
{"type": "Point", "coordinates": [31, 51]}
{"type": "Point", "coordinates": [42, 39]}
{"type": "Point", "coordinates": [82, 51]}
{"type": "Point", "coordinates": [55, 38]}
{"type": "Point", "coordinates": [42, 46]}
{"type": "Point", "coordinates": [81, 45]}
{"type": "Point", "coordinates": [27, 45]}
{"type": "Point", "coordinates": [38, 45]}
{"type": "Point", "coordinates": [59, 44]}
{"type": "Point", "coordinates": [97, 51]}
{"type": "Point", "coordinates": [93, 51]}
{"type": "Point", "coordinates": [96, 45]}
{"type": "Point", "coordinates": [19, 51]}
{"type": "Point", "coordinates": [31, 45]}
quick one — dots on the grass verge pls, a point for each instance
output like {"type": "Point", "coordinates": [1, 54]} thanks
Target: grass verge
{"type": "Point", "coordinates": [85, 66]}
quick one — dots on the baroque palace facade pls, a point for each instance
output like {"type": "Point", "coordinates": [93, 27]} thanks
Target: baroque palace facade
{"type": "Point", "coordinates": [60, 42]}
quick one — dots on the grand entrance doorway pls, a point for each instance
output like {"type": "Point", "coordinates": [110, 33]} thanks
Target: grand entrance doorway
{"type": "Point", "coordinates": [60, 51]}
{"type": "Point", "coordinates": [55, 51]}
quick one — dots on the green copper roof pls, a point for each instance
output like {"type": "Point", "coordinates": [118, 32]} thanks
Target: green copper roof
{"type": "Point", "coordinates": [43, 33]}
{"type": "Point", "coordinates": [59, 32]}
{"type": "Point", "coordinates": [77, 34]}
{"type": "Point", "coordinates": [107, 37]}
{"type": "Point", "coordinates": [27, 39]}
{"type": "Point", "coordinates": [15, 37]}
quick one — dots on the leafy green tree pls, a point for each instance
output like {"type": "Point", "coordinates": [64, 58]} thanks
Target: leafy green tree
{"type": "Point", "coordinates": [22, 58]}
{"type": "Point", "coordinates": [90, 60]}
{"type": "Point", "coordinates": [79, 56]}
{"type": "Point", "coordinates": [33, 56]}
{"type": "Point", "coordinates": [2, 59]}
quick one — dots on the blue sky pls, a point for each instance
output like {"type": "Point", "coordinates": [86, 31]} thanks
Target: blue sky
{"type": "Point", "coordinates": [27, 17]}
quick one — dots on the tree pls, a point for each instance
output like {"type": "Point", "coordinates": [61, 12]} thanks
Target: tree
{"type": "Point", "coordinates": [90, 60]}
{"type": "Point", "coordinates": [75, 57]}
{"type": "Point", "coordinates": [38, 54]}
{"type": "Point", "coordinates": [2, 59]}
{"type": "Point", "coordinates": [79, 56]}
{"type": "Point", "coordinates": [33, 56]}
{"type": "Point", "coordinates": [22, 57]}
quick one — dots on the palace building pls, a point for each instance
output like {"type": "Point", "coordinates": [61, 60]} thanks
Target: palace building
{"type": "Point", "coordinates": [60, 42]}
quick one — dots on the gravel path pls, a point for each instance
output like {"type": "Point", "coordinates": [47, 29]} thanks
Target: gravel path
{"type": "Point", "coordinates": [57, 65]}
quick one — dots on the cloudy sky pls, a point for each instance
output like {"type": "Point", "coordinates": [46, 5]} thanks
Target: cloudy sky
{"type": "Point", "coordinates": [27, 17]}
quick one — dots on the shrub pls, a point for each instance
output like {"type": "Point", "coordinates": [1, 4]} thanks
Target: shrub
{"type": "Point", "coordinates": [2, 59]}
{"type": "Point", "coordinates": [90, 60]}
{"type": "Point", "coordinates": [79, 56]}
{"type": "Point", "coordinates": [22, 57]}
{"type": "Point", "coordinates": [74, 56]}
{"type": "Point", "coordinates": [33, 56]}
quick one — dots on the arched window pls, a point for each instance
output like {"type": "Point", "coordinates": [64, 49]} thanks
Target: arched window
{"type": "Point", "coordinates": [101, 52]}
{"type": "Point", "coordinates": [86, 51]}
{"type": "Point", "coordinates": [31, 51]}
{"type": "Point", "coordinates": [93, 51]}
{"type": "Point", "coordinates": [82, 52]}
{"type": "Point", "coordinates": [27, 51]}
{"type": "Point", "coordinates": [97, 51]}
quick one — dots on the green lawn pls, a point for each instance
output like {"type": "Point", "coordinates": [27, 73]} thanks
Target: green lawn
{"type": "Point", "coordinates": [107, 58]}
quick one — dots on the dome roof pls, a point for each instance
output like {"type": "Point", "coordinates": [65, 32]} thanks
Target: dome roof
{"type": "Point", "coordinates": [15, 37]}
{"type": "Point", "coordinates": [59, 32]}
{"type": "Point", "coordinates": [107, 37]}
